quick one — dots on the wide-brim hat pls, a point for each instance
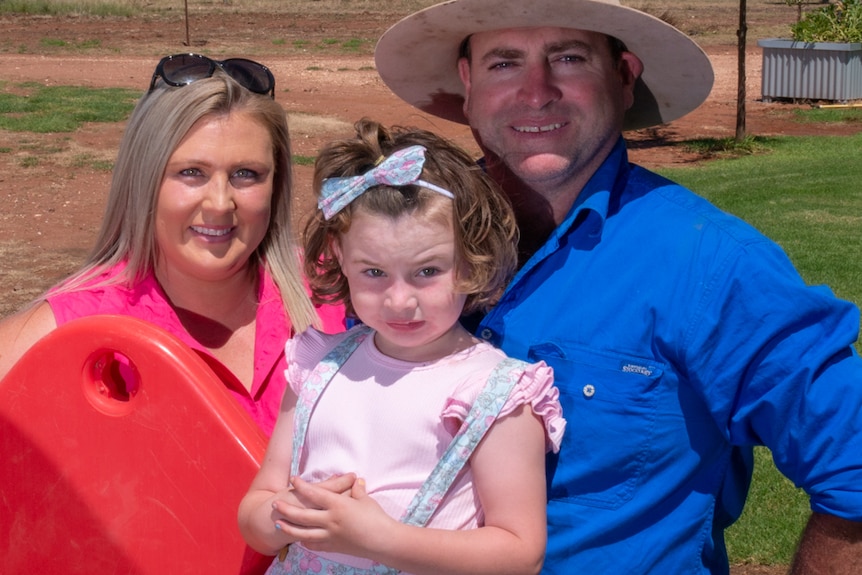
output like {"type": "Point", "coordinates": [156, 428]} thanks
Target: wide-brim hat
{"type": "Point", "coordinates": [417, 57]}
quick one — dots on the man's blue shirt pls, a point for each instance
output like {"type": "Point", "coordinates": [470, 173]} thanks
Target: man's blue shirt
{"type": "Point", "coordinates": [680, 337]}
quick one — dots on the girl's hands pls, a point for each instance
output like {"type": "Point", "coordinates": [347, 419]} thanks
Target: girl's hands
{"type": "Point", "coordinates": [349, 522]}
{"type": "Point", "coordinates": [288, 498]}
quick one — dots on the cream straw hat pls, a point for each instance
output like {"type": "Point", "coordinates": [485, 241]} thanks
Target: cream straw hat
{"type": "Point", "coordinates": [417, 57]}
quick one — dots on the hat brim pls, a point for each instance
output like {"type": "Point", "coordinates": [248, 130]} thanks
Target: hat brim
{"type": "Point", "coordinates": [417, 57]}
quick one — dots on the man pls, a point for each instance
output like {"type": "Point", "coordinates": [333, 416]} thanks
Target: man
{"type": "Point", "coordinates": [680, 337]}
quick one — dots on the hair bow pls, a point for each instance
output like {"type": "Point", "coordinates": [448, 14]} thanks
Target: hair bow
{"type": "Point", "coordinates": [403, 167]}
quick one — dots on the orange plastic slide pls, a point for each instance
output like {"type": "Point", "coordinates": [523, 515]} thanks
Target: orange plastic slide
{"type": "Point", "coordinates": [121, 452]}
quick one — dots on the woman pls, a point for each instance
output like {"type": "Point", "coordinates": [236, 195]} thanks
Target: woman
{"type": "Point", "coordinates": [196, 236]}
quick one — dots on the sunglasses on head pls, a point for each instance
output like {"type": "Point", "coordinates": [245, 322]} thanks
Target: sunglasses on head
{"type": "Point", "coordinates": [183, 69]}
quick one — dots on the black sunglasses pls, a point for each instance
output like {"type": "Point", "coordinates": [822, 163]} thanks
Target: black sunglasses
{"type": "Point", "coordinates": [183, 69]}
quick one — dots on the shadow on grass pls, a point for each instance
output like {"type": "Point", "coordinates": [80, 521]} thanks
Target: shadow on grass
{"type": "Point", "coordinates": [700, 149]}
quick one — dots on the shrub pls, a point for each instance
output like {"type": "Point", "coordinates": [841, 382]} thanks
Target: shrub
{"type": "Point", "coordinates": [839, 22]}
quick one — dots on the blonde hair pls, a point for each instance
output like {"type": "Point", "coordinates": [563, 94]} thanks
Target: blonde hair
{"type": "Point", "coordinates": [155, 129]}
{"type": "Point", "coordinates": [482, 219]}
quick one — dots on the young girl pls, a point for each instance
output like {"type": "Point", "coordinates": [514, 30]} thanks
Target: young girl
{"type": "Point", "coordinates": [446, 435]}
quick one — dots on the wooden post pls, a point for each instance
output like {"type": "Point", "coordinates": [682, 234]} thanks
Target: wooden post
{"type": "Point", "coordinates": [740, 89]}
{"type": "Point", "coordinates": [188, 41]}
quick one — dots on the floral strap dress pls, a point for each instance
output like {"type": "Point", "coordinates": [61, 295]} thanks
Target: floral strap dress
{"type": "Point", "coordinates": [483, 413]}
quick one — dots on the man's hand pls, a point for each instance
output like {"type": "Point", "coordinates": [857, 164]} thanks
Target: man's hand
{"type": "Point", "coordinates": [829, 546]}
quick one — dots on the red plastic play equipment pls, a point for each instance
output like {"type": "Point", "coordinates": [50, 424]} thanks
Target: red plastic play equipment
{"type": "Point", "coordinates": [121, 452]}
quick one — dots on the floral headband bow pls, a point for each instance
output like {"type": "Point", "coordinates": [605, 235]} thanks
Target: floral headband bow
{"type": "Point", "coordinates": [401, 168]}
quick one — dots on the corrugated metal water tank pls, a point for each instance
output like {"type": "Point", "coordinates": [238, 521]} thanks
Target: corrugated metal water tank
{"type": "Point", "coordinates": [811, 71]}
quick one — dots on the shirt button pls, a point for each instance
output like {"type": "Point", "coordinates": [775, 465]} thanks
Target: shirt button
{"type": "Point", "coordinates": [486, 334]}
{"type": "Point", "coordinates": [589, 390]}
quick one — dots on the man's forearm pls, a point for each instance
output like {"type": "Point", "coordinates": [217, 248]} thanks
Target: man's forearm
{"type": "Point", "coordinates": [829, 546]}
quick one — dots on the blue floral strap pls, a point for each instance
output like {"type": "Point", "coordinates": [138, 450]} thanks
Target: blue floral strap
{"type": "Point", "coordinates": [483, 413]}
{"type": "Point", "coordinates": [482, 416]}
{"type": "Point", "coordinates": [316, 382]}
{"type": "Point", "coordinates": [298, 559]}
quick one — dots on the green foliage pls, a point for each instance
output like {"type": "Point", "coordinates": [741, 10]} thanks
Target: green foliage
{"type": "Point", "coordinates": [839, 22]}
{"type": "Point", "coordinates": [42, 109]}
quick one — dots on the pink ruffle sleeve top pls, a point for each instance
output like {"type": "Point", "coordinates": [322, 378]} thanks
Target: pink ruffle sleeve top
{"type": "Point", "coordinates": [389, 421]}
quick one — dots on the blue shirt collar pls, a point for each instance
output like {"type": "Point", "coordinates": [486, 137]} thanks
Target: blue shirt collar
{"type": "Point", "coordinates": [592, 205]}
{"type": "Point", "coordinates": [597, 193]}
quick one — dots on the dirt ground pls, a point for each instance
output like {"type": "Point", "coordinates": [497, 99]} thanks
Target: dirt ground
{"type": "Point", "coordinates": [52, 199]}
{"type": "Point", "coordinates": [53, 189]}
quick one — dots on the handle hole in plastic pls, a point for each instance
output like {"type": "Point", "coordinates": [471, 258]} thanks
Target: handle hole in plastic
{"type": "Point", "coordinates": [111, 383]}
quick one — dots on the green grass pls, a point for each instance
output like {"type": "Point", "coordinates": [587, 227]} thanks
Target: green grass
{"type": "Point", "coordinates": [303, 160]}
{"type": "Point", "coordinates": [804, 193]}
{"type": "Point", "coordinates": [69, 7]}
{"type": "Point", "coordinates": [57, 43]}
{"type": "Point", "coordinates": [89, 161]}
{"type": "Point", "coordinates": [851, 114]}
{"type": "Point", "coordinates": [32, 107]}
{"type": "Point", "coordinates": [774, 515]}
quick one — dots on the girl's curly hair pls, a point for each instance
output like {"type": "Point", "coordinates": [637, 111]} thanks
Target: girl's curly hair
{"type": "Point", "coordinates": [482, 219]}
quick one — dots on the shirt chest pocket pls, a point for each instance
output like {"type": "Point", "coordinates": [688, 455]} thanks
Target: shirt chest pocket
{"type": "Point", "coordinates": [610, 402]}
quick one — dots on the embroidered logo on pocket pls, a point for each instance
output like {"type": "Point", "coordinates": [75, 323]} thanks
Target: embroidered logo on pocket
{"type": "Point", "coordinates": [644, 370]}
